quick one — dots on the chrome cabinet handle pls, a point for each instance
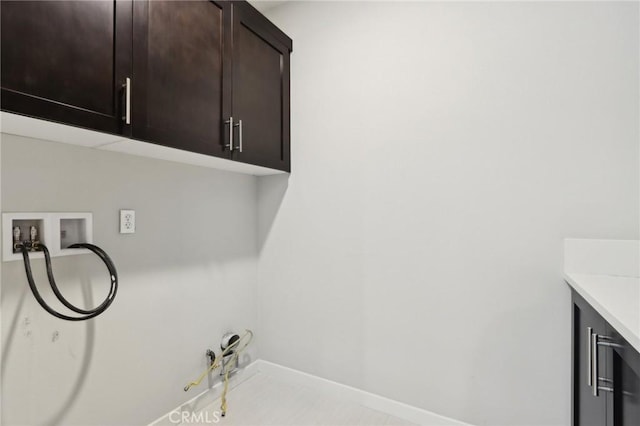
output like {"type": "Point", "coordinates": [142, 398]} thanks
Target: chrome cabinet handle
{"type": "Point", "coordinates": [240, 131]}
{"type": "Point", "coordinates": [230, 123]}
{"type": "Point", "coordinates": [127, 101]}
{"type": "Point", "coordinates": [589, 357]}
{"type": "Point", "coordinates": [594, 363]}
{"type": "Point", "coordinates": [592, 355]}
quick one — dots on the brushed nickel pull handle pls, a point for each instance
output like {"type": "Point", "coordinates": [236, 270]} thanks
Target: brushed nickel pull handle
{"type": "Point", "coordinates": [240, 130]}
{"type": "Point", "coordinates": [230, 123]}
{"type": "Point", "coordinates": [596, 379]}
{"type": "Point", "coordinates": [589, 357]}
{"type": "Point", "coordinates": [127, 101]}
{"type": "Point", "coordinates": [594, 363]}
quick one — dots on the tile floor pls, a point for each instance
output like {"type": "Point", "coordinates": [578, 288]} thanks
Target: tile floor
{"type": "Point", "coordinates": [263, 400]}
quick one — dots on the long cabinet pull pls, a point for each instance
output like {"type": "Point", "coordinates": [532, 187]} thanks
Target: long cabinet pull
{"type": "Point", "coordinates": [594, 380]}
{"type": "Point", "coordinates": [589, 357]}
{"type": "Point", "coordinates": [230, 123]}
{"type": "Point", "coordinates": [594, 364]}
{"type": "Point", "coordinates": [127, 101]}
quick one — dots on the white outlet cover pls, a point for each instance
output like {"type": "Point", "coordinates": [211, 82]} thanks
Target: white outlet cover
{"type": "Point", "coordinates": [127, 221]}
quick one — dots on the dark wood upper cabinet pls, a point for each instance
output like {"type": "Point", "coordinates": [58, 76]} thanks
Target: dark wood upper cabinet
{"type": "Point", "coordinates": [260, 89]}
{"type": "Point", "coordinates": [179, 74]}
{"type": "Point", "coordinates": [210, 77]}
{"type": "Point", "coordinates": [66, 61]}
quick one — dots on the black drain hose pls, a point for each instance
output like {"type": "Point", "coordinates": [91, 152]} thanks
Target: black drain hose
{"type": "Point", "coordinates": [91, 313]}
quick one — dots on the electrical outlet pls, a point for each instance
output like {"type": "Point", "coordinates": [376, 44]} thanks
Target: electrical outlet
{"type": "Point", "coordinates": [127, 221]}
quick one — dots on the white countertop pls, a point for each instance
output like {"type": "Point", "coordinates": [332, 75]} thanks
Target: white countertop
{"type": "Point", "coordinates": [606, 273]}
{"type": "Point", "coordinates": [615, 298]}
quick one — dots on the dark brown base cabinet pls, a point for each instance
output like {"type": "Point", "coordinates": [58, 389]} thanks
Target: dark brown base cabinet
{"type": "Point", "coordinates": [606, 371]}
{"type": "Point", "coordinates": [210, 77]}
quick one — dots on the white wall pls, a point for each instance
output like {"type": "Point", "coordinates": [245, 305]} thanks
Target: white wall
{"type": "Point", "coordinates": [187, 275]}
{"type": "Point", "coordinates": [1, 340]}
{"type": "Point", "coordinates": [441, 151]}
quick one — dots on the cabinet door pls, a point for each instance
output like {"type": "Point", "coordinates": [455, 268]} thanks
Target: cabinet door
{"type": "Point", "coordinates": [588, 409]}
{"type": "Point", "coordinates": [260, 89]}
{"type": "Point", "coordinates": [180, 70]}
{"type": "Point", "coordinates": [66, 61]}
{"type": "Point", "coordinates": [626, 377]}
